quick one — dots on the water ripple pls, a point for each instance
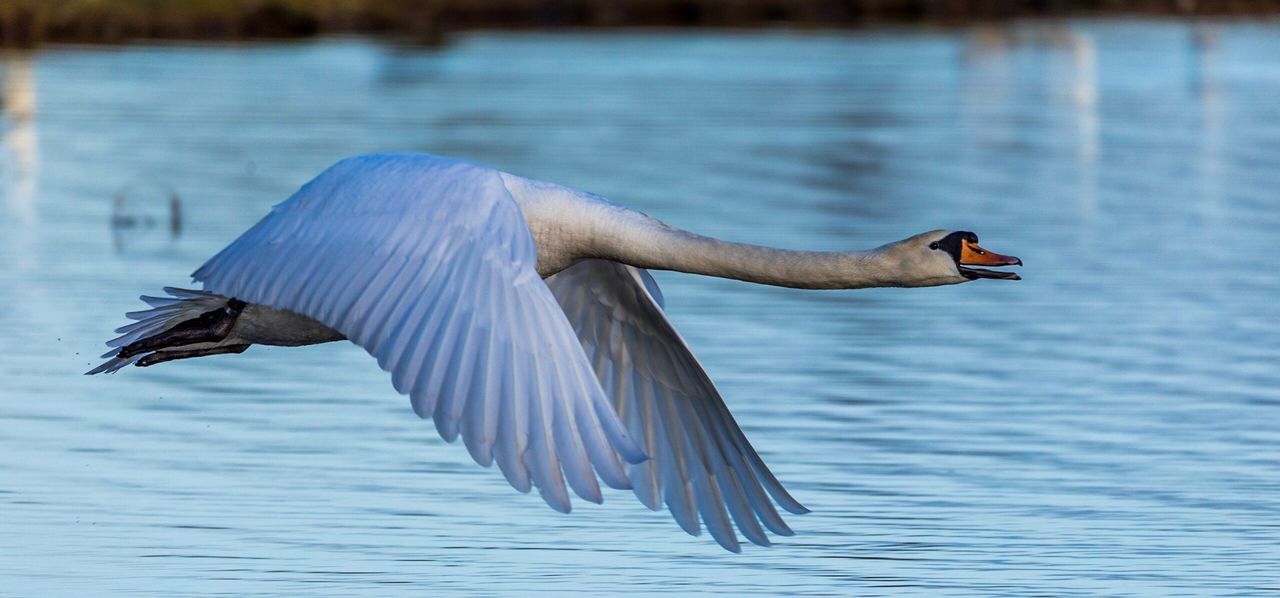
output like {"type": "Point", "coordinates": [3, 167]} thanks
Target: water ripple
{"type": "Point", "coordinates": [1105, 426]}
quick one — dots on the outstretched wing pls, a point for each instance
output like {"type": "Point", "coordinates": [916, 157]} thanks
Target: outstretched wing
{"type": "Point", "coordinates": [428, 264]}
{"type": "Point", "coordinates": [700, 461]}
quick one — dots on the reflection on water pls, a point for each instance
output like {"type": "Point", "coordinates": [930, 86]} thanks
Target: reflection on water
{"type": "Point", "coordinates": [140, 210]}
{"type": "Point", "coordinates": [1204, 77]}
{"type": "Point", "coordinates": [1107, 425]}
{"type": "Point", "coordinates": [21, 144]}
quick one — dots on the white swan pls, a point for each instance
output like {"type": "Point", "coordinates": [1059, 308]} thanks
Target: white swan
{"type": "Point", "coordinates": [518, 315]}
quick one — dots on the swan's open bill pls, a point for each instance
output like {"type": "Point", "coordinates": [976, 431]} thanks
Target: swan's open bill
{"type": "Point", "coordinates": [963, 247]}
{"type": "Point", "coordinates": [520, 317]}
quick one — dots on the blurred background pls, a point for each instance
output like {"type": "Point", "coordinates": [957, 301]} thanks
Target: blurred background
{"type": "Point", "coordinates": [1107, 425]}
{"type": "Point", "coordinates": [27, 22]}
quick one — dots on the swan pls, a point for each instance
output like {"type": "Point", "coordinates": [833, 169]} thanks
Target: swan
{"type": "Point", "coordinates": [520, 316]}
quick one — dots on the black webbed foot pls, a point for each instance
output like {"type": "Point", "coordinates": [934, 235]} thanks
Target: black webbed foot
{"type": "Point", "coordinates": [209, 327]}
{"type": "Point", "coordinates": [163, 356]}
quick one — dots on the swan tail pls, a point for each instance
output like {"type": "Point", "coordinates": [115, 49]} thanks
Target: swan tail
{"type": "Point", "coordinates": [180, 306]}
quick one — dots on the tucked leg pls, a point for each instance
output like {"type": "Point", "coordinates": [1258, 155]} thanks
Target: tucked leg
{"type": "Point", "coordinates": [209, 327]}
{"type": "Point", "coordinates": [163, 356]}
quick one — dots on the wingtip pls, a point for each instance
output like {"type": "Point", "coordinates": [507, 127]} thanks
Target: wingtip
{"type": "Point", "coordinates": [796, 508]}
{"type": "Point", "coordinates": [765, 542]}
{"type": "Point", "coordinates": [99, 370]}
{"type": "Point", "coordinates": [559, 502]}
{"type": "Point", "coordinates": [735, 546]}
{"type": "Point", "coordinates": [690, 525]}
{"type": "Point", "coordinates": [781, 496]}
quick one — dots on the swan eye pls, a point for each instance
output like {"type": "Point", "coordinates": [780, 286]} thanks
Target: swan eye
{"type": "Point", "coordinates": [933, 245]}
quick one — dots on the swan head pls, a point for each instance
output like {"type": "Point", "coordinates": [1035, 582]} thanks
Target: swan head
{"type": "Point", "coordinates": [943, 257]}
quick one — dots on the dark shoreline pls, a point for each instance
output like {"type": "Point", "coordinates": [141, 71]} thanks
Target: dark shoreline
{"type": "Point", "coordinates": [26, 23]}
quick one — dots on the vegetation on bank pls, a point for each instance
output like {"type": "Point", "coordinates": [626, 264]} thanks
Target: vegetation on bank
{"type": "Point", "coordinates": [31, 22]}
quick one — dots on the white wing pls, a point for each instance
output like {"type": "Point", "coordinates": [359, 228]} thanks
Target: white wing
{"type": "Point", "coordinates": [428, 264]}
{"type": "Point", "coordinates": [700, 461]}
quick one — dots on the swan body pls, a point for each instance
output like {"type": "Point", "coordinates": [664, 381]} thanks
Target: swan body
{"type": "Point", "coordinates": [519, 315]}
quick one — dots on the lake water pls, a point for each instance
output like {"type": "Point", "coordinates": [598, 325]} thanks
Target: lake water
{"type": "Point", "coordinates": [1111, 424]}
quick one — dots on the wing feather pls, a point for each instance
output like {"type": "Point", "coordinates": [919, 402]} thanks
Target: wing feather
{"type": "Point", "coordinates": [701, 464]}
{"type": "Point", "coordinates": [428, 265]}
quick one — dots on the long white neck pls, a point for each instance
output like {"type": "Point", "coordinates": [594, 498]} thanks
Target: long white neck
{"type": "Point", "coordinates": [569, 225]}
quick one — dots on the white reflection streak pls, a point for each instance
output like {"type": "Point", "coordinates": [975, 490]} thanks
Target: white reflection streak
{"type": "Point", "coordinates": [21, 144]}
{"type": "Point", "coordinates": [1207, 88]}
{"type": "Point", "coordinates": [984, 96]}
{"type": "Point", "coordinates": [1084, 98]}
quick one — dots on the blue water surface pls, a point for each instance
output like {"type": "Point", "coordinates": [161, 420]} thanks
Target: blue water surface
{"type": "Point", "coordinates": [1111, 424]}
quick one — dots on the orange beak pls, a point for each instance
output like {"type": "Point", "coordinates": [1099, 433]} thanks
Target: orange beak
{"type": "Point", "coordinates": [972, 254]}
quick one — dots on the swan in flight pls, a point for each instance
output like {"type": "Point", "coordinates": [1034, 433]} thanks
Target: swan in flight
{"type": "Point", "coordinates": [520, 316]}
